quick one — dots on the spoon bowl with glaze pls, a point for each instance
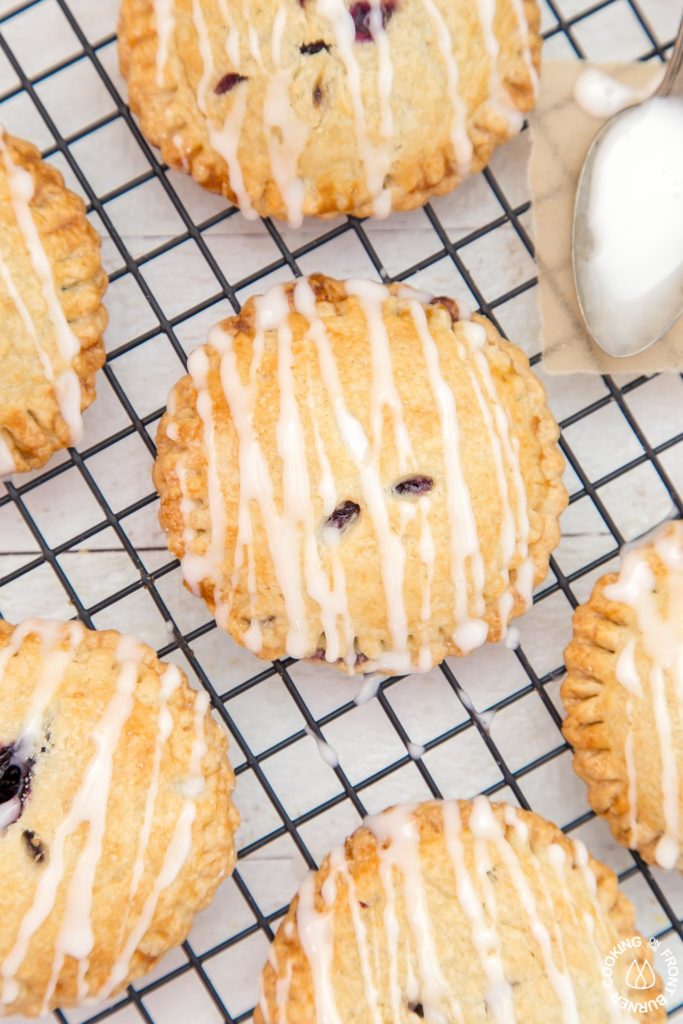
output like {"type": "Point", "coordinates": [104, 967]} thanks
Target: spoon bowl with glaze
{"type": "Point", "coordinates": [627, 242]}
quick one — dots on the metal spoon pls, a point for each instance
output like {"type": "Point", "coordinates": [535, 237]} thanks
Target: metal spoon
{"type": "Point", "coordinates": [597, 320]}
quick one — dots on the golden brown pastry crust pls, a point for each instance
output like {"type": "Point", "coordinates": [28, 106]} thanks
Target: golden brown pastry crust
{"type": "Point", "coordinates": [535, 1001]}
{"type": "Point", "coordinates": [64, 750]}
{"type": "Point", "coordinates": [423, 163]}
{"type": "Point", "coordinates": [31, 424]}
{"type": "Point", "coordinates": [180, 442]}
{"type": "Point", "coordinates": [598, 721]}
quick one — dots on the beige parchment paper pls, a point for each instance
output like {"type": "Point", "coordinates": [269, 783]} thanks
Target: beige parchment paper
{"type": "Point", "coordinates": [561, 133]}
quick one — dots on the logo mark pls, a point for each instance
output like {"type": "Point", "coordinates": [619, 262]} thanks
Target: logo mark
{"type": "Point", "coordinates": [650, 980]}
{"type": "Point", "coordinates": [640, 975]}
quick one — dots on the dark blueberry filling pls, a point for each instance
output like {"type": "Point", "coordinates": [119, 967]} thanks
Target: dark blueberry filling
{"type": "Point", "coordinates": [34, 845]}
{"type": "Point", "coordinates": [360, 659]}
{"type": "Point", "coordinates": [417, 1009]}
{"type": "Point", "coordinates": [344, 515]}
{"type": "Point", "coordinates": [15, 776]}
{"type": "Point", "coordinates": [229, 82]}
{"type": "Point", "coordinates": [317, 96]}
{"type": "Point", "coordinates": [450, 304]}
{"type": "Point", "coordinates": [361, 14]}
{"type": "Point", "coordinates": [414, 485]}
{"type": "Point", "coordinates": [316, 47]}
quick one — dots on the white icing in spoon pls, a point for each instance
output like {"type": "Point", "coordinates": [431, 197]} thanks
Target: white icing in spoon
{"type": "Point", "coordinates": [628, 254]}
{"type": "Point", "coordinates": [601, 95]}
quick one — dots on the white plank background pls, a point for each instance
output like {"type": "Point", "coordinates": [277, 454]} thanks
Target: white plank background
{"type": "Point", "coordinates": [62, 507]}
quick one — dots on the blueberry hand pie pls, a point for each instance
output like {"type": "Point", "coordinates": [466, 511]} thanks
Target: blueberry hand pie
{"type": "Point", "coordinates": [321, 107]}
{"type": "Point", "coordinates": [624, 698]}
{"type": "Point", "coordinates": [361, 475]}
{"type": "Point", "coordinates": [51, 313]}
{"type": "Point", "coordinates": [456, 913]}
{"type": "Point", "coordinates": [116, 822]}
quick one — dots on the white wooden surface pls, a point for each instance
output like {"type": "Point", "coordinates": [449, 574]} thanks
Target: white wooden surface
{"type": "Point", "coordinates": [363, 738]}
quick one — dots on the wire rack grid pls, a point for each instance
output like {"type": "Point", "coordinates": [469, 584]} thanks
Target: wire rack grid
{"type": "Point", "coordinates": [80, 538]}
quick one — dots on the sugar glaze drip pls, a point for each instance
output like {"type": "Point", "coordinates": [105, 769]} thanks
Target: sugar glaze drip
{"type": "Point", "coordinates": [294, 540]}
{"type": "Point", "coordinates": [59, 644]}
{"type": "Point", "coordinates": [64, 379]}
{"type": "Point", "coordinates": [660, 637]}
{"type": "Point", "coordinates": [414, 971]}
{"type": "Point", "coordinates": [287, 135]}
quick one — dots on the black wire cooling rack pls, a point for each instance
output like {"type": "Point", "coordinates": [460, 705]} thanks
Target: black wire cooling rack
{"type": "Point", "coordinates": [524, 758]}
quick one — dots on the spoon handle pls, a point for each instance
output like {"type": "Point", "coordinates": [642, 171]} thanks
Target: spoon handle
{"type": "Point", "coordinates": [673, 78]}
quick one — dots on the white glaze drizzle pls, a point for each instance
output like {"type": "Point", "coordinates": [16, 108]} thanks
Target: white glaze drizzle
{"type": "Point", "coordinates": [168, 684]}
{"type": "Point", "coordinates": [516, 529]}
{"type": "Point", "coordinates": [397, 837]}
{"type": "Point", "coordinates": [470, 631]}
{"type": "Point", "coordinates": [205, 52]}
{"type": "Point", "coordinates": [75, 938]}
{"type": "Point", "coordinates": [54, 663]}
{"type": "Point", "coordinates": [327, 753]}
{"type": "Point", "coordinates": [376, 157]}
{"type": "Point", "coordinates": [660, 634]}
{"type": "Point", "coordinates": [66, 384]}
{"type": "Point", "coordinates": [165, 24]}
{"type": "Point", "coordinates": [485, 825]}
{"type": "Point", "coordinates": [75, 935]}
{"type": "Point", "coordinates": [177, 851]}
{"type": "Point", "coordinates": [315, 932]}
{"type": "Point", "coordinates": [286, 134]}
{"type": "Point", "coordinates": [376, 160]}
{"type": "Point", "coordinates": [386, 980]}
{"type": "Point", "coordinates": [283, 531]}
{"type": "Point", "coordinates": [485, 939]}
{"type": "Point", "coordinates": [460, 140]}
{"type": "Point", "coordinates": [7, 464]}
{"type": "Point", "coordinates": [195, 567]}
{"type": "Point", "coordinates": [232, 42]}
{"type": "Point", "coordinates": [293, 535]}
{"type": "Point", "coordinates": [499, 97]}
{"type": "Point", "coordinates": [523, 27]}
{"type": "Point", "coordinates": [338, 867]}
